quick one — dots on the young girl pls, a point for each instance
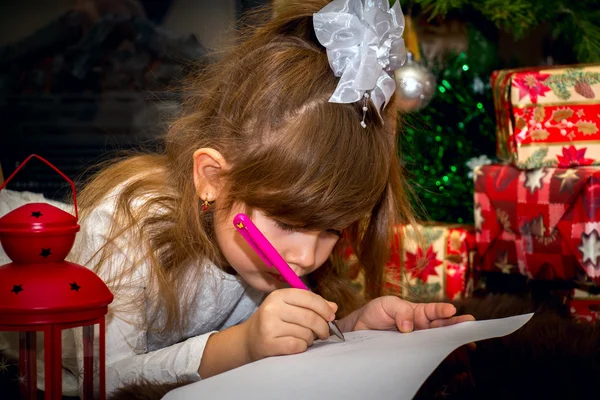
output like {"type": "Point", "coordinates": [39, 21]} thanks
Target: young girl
{"type": "Point", "coordinates": [260, 133]}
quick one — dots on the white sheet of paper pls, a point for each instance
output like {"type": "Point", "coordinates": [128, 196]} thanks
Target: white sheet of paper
{"type": "Point", "coordinates": [368, 365]}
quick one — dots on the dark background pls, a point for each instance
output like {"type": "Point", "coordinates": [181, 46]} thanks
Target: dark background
{"type": "Point", "coordinates": [81, 81]}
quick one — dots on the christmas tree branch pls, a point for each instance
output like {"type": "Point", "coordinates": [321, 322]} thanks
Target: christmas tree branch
{"type": "Point", "coordinates": [576, 21]}
{"type": "Point", "coordinates": [583, 32]}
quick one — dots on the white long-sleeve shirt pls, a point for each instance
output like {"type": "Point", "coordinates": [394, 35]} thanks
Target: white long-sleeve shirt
{"type": "Point", "coordinates": [132, 351]}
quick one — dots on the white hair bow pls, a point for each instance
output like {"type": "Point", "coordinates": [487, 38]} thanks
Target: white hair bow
{"type": "Point", "coordinates": [364, 45]}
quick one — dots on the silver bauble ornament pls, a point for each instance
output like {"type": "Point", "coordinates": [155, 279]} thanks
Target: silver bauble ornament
{"type": "Point", "coordinates": [415, 85]}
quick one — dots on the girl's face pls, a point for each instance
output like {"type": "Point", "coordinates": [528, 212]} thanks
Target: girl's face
{"type": "Point", "coordinates": [304, 251]}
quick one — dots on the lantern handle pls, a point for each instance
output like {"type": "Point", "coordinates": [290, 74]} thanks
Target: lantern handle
{"type": "Point", "coordinates": [54, 168]}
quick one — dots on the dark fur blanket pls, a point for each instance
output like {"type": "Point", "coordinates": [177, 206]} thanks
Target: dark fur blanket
{"type": "Point", "coordinates": [551, 357]}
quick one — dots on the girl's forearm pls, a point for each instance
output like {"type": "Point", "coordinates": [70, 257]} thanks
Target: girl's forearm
{"type": "Point", "coordinates": [224, 351]}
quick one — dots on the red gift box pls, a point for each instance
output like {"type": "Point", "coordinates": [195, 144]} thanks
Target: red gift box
{"type": "Point", "coordinates": [548, 116]}
{"type": "Point", "coordinates": [432, 262]}
{"type": "Point", "coordinates": [543, 223]}
{"type": "Point", "coordinates": [584, 306]}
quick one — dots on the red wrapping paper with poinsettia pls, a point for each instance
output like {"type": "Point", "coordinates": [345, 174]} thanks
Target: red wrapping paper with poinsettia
{"type": "Point", "coordinates": [543, 223]}
{"type": "Point", "coordinates": [548, 116]}
{"type": "Point", "coordinates": [428, 262]}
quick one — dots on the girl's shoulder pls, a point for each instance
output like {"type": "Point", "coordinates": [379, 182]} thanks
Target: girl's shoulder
{"type": "Point", "coordinates": [107, 246]}
{"type": "Point", "coordinates": [109, 223]}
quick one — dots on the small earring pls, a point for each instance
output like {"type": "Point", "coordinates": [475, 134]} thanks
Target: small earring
{"type": "Point", "coordinates": [205, 204]}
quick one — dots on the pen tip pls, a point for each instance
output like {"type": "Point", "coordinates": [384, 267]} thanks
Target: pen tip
{"type": "Point", "coordinates": [334, 329]}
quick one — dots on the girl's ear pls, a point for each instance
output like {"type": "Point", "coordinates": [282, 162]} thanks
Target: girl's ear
{"type": "Point", "coordinates": [208, 164]}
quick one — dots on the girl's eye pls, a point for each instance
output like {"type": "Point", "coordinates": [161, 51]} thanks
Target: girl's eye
{"type": "Point", "coordinates": [290, 228]}
{"type": "Point", "coordinates": [285, 227]}
{"type": "Point", "coordinates": [334, 232]}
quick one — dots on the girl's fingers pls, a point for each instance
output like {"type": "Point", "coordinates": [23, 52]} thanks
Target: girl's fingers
{"type": "Point", "coordinates": [310, 301]}
{"type": "Point", "coordinates": [434, 311]}
{"type": "Point", "coordinates": [421, 321]}
{"type": "Point", "coordinates": [288, 345]}
{"type": "Point", "coordinates": [333, 306]}
{"type": "Point", "coordinates": [424, 314]}
{"type": "Point", "coordinates": [298, 332]}
{"type": "Point", "coordinates": [451, 321]}
{"type": "Point", "coordinates": [306, 319]}
{"type": "Point", "coordinates": [401, 311]}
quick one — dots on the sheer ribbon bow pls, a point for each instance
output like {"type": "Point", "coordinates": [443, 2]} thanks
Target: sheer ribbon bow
{"type": "Point", "coordinates": [364, 45]}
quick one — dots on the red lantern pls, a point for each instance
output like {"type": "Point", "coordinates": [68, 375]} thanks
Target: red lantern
{"type": "Point", "coordinates": [41, 292]}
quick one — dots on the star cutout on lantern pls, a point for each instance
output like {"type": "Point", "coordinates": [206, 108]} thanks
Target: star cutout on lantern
{"type": "Point", "coordinates": [17, 289]}
{"type": "Point", "coordinates": [567, 179]}
{"type": "Point", "coordinates": [590, 248]}
{"type": "Point", "coordinates": [45, 253]}
{"type": "Point", "coordinates": [422, 265]}
{"type": "Point", "coordinates": [36, 214]}
{"type": "Point", "coordinates": [533, 179]}
{"type": "Point", "coordinates": [75, 286]}
{"type": "Point", "coordinates": [479, 220]}
{"type": "Point", "coordinates": [502, 263]}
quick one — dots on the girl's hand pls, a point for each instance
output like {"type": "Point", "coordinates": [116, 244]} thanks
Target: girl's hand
{"type": "Point", "coordinates": [389, 312]}
{"type": "Point", "coordinates": [287, 322]}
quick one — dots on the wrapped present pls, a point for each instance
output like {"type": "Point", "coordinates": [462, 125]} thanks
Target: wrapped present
{"type": "Point", "coordinates": [543, 223]}
{"type": "Point", "coordinates": [431, 262]}
{"type": "Point", "coordinates": [548, 116]}
{"type": "Point", "coordinates": [584, 305]}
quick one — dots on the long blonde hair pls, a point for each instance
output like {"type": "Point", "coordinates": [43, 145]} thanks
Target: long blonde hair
{"type": "Point", "coordinates": [292, 154]}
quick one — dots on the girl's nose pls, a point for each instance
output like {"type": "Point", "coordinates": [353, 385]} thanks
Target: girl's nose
{"type": "Point", "coordinates": [301, 250]}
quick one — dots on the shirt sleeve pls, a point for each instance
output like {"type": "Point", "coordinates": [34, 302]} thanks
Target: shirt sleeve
{"type": "Point", "coordinates": [127, 356]}
{"type": "Point", "coordinates": [168, 365]}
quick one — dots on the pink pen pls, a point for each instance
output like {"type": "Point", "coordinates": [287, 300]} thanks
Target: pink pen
{"type": "Point", "coordinates": [272, 258]}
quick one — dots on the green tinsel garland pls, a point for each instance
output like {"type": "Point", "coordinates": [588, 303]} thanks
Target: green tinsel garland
{"type": "Point", "coordinates": [457, 126]}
